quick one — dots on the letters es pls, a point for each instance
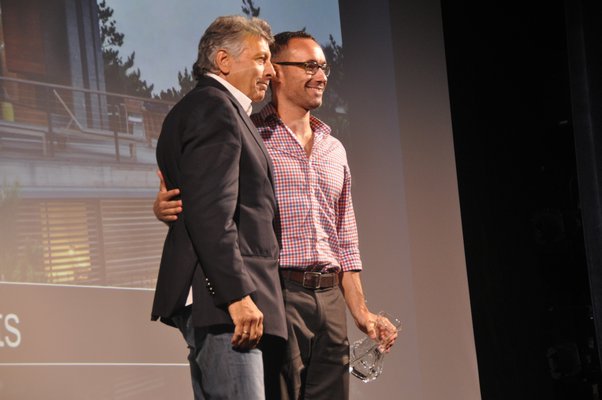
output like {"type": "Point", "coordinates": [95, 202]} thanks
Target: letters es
{"type": "Point", "coordinates": [10, 335]}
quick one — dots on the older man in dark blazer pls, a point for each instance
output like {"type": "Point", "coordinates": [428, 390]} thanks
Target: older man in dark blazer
{"type": "Point", "coordinates": [218, 281]}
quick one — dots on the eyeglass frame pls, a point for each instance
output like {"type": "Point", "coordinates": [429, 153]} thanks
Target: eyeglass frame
{"type": "Point", "coordinates": [308, 66]}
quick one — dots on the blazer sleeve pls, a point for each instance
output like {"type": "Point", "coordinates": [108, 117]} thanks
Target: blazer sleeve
{"type": "Point", "coordinates": [209, 166]}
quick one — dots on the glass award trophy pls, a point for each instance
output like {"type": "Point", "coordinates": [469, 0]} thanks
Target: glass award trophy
{"type": "Point", "coordinates": [367, 354]}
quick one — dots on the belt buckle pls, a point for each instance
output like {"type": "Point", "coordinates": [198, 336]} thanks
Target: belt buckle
{"type": "Point", "coordinates": [311, 279]}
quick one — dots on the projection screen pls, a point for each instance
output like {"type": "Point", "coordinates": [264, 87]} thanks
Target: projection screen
{"type": "Point", "coordinates": [80, 247]}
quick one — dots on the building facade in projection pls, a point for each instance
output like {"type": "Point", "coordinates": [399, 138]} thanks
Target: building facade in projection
{"type": "Point", "coordinates": [77, 162]}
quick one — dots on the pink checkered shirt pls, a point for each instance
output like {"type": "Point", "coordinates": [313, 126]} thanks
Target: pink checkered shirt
{"type": "Point", "coordinates": [314, 196]}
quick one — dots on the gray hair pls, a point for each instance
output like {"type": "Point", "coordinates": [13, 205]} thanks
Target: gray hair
{"type": "Point", "coordinates": [227, 33]}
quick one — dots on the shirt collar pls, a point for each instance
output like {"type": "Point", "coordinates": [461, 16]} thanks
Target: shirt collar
{"type": "Point", "coordinates": [242, 98]}
{"type": "Point", "coordinates": [320, 129]}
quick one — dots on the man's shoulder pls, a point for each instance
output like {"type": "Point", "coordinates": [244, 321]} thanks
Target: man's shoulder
{"type": "Point", "coordinates": [334, 141]}
{"type": "Point", "coordinates": [204, 99]}
{"type": "Point", "coordinates": [334, 147]}
{"type": "Point", "coordinates": [267, 123]}
{"type": "Point", "coordinates": [207, 92]}
{"type": "Point", "coordinates": [265, 115]}
{"type": "Point", "coordinates": [257, 119]}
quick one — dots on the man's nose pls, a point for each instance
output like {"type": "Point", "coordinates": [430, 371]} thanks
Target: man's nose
{"type": "Point", "coordinates": [320, 75]}
{"type": "Point", "coordinates": [269, 69]}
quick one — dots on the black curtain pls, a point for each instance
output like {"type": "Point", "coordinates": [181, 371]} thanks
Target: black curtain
{"type": "Point", "coordinates": [584, 38]}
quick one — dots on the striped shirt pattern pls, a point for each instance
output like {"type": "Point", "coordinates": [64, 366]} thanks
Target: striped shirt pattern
{"type": "Point", "coordinates": [314, 196]}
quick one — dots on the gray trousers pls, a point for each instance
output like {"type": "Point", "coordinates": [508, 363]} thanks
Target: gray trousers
{"type": "Point", "coordinates": [317, 351]}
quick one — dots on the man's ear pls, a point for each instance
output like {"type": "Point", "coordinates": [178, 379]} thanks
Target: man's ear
{"type": "Point", "coordinates": [223, 61]}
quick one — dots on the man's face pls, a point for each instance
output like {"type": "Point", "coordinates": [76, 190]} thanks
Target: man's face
{"type": "Point", "coordinates": [252, 70]}
{"type": "Point", "coordinates": [293, 85]}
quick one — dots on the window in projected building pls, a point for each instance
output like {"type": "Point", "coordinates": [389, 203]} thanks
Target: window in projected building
{"type": "Point", "coordinates": [107, 242]}
{"type": "Point", "coordinates": [69, 240]}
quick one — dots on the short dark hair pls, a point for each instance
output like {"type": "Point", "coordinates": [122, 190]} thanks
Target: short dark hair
{"type": "Point", "coordinates": [281, 40]}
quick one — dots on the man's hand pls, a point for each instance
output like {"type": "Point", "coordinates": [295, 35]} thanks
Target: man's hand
{"type": "Point", "coordinates": [164, 208]}
{"type": "Point", "coordinates": [386, 332]}
{"type": "Point", "coordinates": [366, 322]}
{"type": "Point", "coordinates": [248, 323]}
{"type": "Point", "coordinates": [378, 328]}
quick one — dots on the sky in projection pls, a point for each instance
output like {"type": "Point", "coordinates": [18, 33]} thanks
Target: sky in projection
{"type": "Point", "coordinates": [165, 35]}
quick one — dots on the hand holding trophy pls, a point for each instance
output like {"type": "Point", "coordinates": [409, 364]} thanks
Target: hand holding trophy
{"type": "Point", "coordinates": [367, 355]}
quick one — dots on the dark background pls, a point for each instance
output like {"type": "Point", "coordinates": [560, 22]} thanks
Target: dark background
{"type": "Point", "coordinates": [525, 102]}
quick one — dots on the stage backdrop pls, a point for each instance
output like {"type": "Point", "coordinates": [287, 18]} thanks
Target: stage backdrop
{"type": "Point", "coordinates": [84, 87]}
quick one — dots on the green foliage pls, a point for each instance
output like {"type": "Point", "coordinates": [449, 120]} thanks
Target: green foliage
{"type": "Point", "coordinates": [249, 9]}
{"type": "Point", "coordinates": [109, 36]}
{"type": "Point", "coordinates": [120, 75]}
{"type": "Point", "coordinates": [16, 265]}
{"type": "Point", "coordinates": [186, 83]}
{"type": "Point", "coordinates": [8, 209]}
{"type": "Point", "coordinates": [334, 106]}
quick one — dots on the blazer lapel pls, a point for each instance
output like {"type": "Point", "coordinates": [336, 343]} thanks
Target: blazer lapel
{"type": "Point", "coordinates": [258, 139]}
{"type": "Point", "coordinates": [253, 129]}
{"type": "Point", "coordinates": [208, 81]}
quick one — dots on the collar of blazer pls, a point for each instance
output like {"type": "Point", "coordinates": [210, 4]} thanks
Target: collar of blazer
{"type": "Point", "coordinates": [208, 81]}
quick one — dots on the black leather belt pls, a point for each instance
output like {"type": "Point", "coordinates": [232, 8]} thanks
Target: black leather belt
{"type": "Point", "coordinates": [311, 279]}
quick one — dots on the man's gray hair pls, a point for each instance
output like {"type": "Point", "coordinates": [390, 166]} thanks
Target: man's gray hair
{"type": "Point", "coordinates": [227, 33]}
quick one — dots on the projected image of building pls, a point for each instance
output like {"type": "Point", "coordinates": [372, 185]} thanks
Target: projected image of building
{"type": "Point", "coordinates": [77, 161]}
{"type": "Point", "coordinates": [79, 125]}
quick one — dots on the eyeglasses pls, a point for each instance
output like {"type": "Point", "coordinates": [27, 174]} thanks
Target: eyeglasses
{"type": "Point", "coordinates": [311, 67]}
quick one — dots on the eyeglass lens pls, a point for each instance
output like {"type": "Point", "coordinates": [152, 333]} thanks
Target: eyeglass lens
{"type": "Point", "coordinates": [312, 68]}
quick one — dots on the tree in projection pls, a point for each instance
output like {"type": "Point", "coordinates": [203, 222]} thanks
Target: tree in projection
{"type": "Point", "coordinates": [120, 75]}
{"type": "Point", "coordinates": [249, 9]}
{"type": "Point", "coordinates": [334, 106]}
{"type": "Point", "coordinates": [20, 254]}
{"type": "Point", "coordinates": [186, 83]}
{"type": "Point", "coordinates": [185, 79]}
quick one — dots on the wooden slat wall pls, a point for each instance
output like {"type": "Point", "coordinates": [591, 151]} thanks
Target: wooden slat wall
{"type": "Point", "coordinates": [70, 240]}
{"type": "Point", "coordinates": [115, 242]}
{"type": "Point", "coordinates": [133, 242]}
{"type": "Point", "coordinates": [58, 242]}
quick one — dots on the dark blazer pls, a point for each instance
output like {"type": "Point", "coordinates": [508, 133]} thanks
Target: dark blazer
{"type": "Point", "coordinates": [224, 242]}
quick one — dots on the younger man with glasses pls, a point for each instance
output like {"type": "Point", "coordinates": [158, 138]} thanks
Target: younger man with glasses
{"type": "Point", "coordinates": [319, 259]}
